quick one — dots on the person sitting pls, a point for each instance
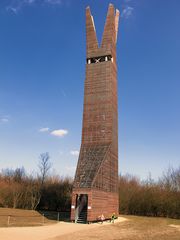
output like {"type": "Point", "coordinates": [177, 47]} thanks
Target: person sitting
{"type": "Point", "coordinates": [113, 217]}
{"type": "Point", "coordinates": [102, 218]}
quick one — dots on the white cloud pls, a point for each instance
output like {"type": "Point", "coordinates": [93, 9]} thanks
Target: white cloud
{"type": "Point", "coordinates": [127, 12]}
{"type": "Point", "coordinates": [46, 129]}
{"type": "Point", "coordinates": [74, 152]}
{"type": "Point", "coordinates": [59, 132]}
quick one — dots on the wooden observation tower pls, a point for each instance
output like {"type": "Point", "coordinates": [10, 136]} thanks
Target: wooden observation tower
{"type": "Point", "coordinates": [95, 188]}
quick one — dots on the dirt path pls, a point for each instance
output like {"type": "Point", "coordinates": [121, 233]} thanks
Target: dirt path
{"type": "Point", "coordinates": [48, 232]}
{"type": "Point", "coordinates": [175, 226]}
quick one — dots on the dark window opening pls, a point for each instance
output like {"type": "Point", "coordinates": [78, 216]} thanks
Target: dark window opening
{"type": "Point", "coordinates": [99, 59]}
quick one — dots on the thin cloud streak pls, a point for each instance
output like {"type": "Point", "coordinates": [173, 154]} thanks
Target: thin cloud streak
{"type": "Point", "coordinates": [127, 12]}
{"type": "Point", "coordinates": [54, 2]}
{"type": "Point", "coordinates": [46, 129]}
{"type": "Point", "coordinates": [74, 152]}
{"type": "Point", "coordinates": [4, 119]}
{"type": "Point", "coordinates": [17, 5]}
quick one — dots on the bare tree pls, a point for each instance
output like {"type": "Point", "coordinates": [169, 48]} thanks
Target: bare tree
{"type": "Point", "coordinates": [44, 166]}
{"type": "Point", "coordinates": [19, 174]}
{"type": "Point", "coordinates": [34, 193]}
{"type": "Point", "coordinates": [17, 194]}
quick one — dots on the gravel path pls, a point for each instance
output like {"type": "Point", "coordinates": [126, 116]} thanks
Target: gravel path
{"type": "Point", "coordinates": [48, 232]}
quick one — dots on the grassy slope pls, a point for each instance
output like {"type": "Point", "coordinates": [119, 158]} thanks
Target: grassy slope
{"type": "Point", "coordinates": [20, 217]}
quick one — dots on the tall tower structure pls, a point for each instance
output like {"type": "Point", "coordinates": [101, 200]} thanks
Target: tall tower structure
{"type": "Point", "coordinates": [95, 188]}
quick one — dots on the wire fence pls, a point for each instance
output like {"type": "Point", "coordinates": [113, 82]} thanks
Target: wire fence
{"type": "Point", "coordinates": [41, 218]}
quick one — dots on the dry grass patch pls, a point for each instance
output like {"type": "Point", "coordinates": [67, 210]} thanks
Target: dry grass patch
{"type": "Point", "coordinates": [136, 228]}
{"type": "Point", "coordinates": [16, 217]}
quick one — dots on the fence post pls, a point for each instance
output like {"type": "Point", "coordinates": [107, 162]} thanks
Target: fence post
{"type": "Point", "coordinates": [43, 219]}
{"type": "Point", "coordinates": [58, 217]}
{"type": "Point", "coordinates": [8, 221]}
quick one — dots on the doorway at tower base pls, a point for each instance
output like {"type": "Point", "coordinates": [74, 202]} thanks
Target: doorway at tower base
{"type": "Point", "coordinates": [93, 203]}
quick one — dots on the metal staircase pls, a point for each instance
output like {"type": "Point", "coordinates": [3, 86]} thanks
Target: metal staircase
{"type": "Point", "coordinates": [82, 218]}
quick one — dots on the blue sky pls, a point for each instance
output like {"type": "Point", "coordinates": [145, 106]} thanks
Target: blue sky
{"type": "Point", "coordinates": [42, 70]}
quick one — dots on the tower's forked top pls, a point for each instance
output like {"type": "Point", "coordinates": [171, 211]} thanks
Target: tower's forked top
{"type": "Point", "coordinates": [110, 30]}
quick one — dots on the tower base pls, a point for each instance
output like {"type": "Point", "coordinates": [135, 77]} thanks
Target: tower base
{"type": "Point", "coordinates": [89, 204]}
